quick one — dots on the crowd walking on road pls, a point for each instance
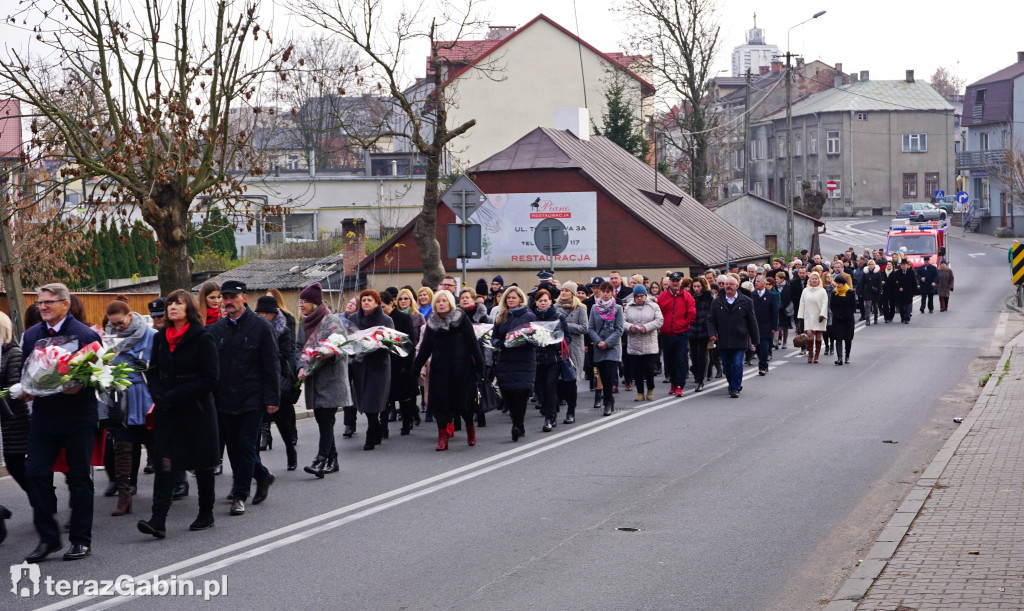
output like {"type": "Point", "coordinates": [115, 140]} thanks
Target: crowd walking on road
{"type": "Point", "coordinates": [211, 374]}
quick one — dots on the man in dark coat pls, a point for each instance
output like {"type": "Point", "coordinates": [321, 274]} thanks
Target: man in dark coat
{"type": "Point", "coordinates": [64, 421]}
{"type": "Point", "coordinates": [494, 296]}
{"type": "Point", "coordinates": [927, 282]}
{"type": "Point", "coordinates": [766, 308]}
{"type": "Point", "coordinates": [905, 288]}
{"type": "Point", "coordinates": [249, 384]}
{"type": "Point", "coordinates": [797, 283]}
{"type": "Point", "coordinates": [732, 325]}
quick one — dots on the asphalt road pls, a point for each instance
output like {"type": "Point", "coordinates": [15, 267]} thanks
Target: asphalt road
{"type": "Point", "coordinates": [761, 502]}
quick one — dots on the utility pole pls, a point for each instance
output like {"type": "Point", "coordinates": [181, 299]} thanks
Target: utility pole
{"type": "Point", "coordinates": [746, 134]}
{"type": "Point", "coordinates": [790, 246]}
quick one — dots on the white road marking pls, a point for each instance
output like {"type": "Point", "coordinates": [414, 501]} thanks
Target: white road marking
{"type": "Point", "coordinates": [976, 254]}
{"type": "Point", "coordinates": [315, 525]}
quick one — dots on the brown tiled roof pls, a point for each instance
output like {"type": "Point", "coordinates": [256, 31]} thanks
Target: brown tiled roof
{"type": "Point", "coordinates": [669, 212]}
{"type": "Point", "coordinates": [285, 274]}
{"type": "Point", "coordinates": [1010, 72]}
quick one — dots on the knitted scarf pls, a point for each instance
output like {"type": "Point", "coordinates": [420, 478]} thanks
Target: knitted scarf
{"type": "Point", "coordinates": [841, 289]}
{"type": "Point", "coordinates": [131, 334]}
{"type": "Point", "coordinates": [605, 309]}
{"type": "Point", "coordinates": [311, 323]}
{"type": "Point", "coordinates": [174, 335]}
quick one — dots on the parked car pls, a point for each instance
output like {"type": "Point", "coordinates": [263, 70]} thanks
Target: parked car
{"type": "Point", "coordinates": [946, 203]}
{"type": "Point", "coordinates": [920, 212]}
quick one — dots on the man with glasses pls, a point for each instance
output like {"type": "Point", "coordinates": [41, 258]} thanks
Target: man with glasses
{"type": "Point", "coordinates": [65, 421]}
{"type": "Point", "coordinates": [449, 284]}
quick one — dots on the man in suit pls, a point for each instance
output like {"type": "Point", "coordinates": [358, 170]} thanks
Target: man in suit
{"type": "Point", "coordinates": [732, 325]}
{"type": "Point", "coordinates": [906, 287]}
{"type": "Point", "coordinates": [64, 421]}
{"type": "Point", "coordinates": [927, 281]}
{"type": "Point", "coordinates": [766, 308]}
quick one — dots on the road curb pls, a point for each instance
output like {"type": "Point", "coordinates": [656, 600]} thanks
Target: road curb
{"type": "Point", "coordinates": [856, 586]}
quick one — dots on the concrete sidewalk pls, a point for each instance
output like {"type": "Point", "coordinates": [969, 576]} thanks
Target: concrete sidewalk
{"type": "Point", "coordinates": [957, 540]}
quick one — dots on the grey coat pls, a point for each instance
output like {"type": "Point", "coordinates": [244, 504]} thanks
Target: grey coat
{"type": "Point", "coordinates": [576, 323]}
{"type": "Point", "coordinates": [608, 331]}
{"type": "Point", "coordinates": [649, 317]}
{"type": "Point", "coordinates": [327, 387]}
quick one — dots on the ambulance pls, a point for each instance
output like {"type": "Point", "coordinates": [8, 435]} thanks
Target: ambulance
{"type": "Point", "coordinates": [914, 242]}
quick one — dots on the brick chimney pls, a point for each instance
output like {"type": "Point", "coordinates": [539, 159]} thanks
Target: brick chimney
{"type": "Point", "coordinates": [910, 76]}
{"type": "Point", "coordinates": [763, 69]}
{"type": "Point", "coordinates": [776, 66]}
{"type": "Point", "coordinates": [353, 250]}
{"type": "Point", "coordinates": [864, 75]}
{"type": "Point", "coordinates": [839, 67]}
{"type": "Point", "coordinates": [1020, 56]}
{"type": "Point", "coordinates": [854, 78]}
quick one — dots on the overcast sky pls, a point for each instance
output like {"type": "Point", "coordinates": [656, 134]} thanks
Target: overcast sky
{"type": "Point", "coordinates": [886, 37]}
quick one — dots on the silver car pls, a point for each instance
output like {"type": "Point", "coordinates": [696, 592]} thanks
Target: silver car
{"type": "Point", "coordinates": [920, 212]}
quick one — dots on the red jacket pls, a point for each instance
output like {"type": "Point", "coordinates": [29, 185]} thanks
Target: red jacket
{"type": "Point", "coordinates": [679, 311]}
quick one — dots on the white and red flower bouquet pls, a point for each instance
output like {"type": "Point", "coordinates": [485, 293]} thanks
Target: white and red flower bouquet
{"type": "Point", "coordinates": [377, 338]}
{"type": "Point", "coordinates": [313, 358]}
{"type": "Point", "coordinates": [482, 330]}
{"type": "Point", "coordinates": [54, 365]}
{"type": "Point", "coordinates": [537, 333]}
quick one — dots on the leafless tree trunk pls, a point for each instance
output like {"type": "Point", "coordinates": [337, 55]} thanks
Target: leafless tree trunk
{"type": "Point", "coordinates": [383, 38]}
{"type": "Point", "coordinates": [143, 104]}
{"type": "Point", "coordinates": [681, 36]}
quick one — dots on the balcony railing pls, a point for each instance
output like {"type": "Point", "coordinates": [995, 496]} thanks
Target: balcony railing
{"type": "Point", "coordinates": [979, 160]}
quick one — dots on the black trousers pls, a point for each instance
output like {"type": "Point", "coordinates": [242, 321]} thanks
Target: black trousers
{"type": "Point", "coordinates": [16, 467]}
{"type": "Point", "coordinates": [285, 419]}
{"type": "Point", "coordinates": [241, 434]}
{"type": "Point", "coordinates": [567, 392]}
{"type": "Point", "coordinates": [906, 310]}
{"type": "Point", "coordinates": [643, 370]}
{"type": "Point", "coordinates": [546, 383]}
{"type": "Point", "coordinates": [698, 358]}
{"type": "Point", "coordinates": [325, 418]}
{"type": "Point", "coordinates": [349, 416]}
{"type": "Point", "coordinates": [607, 370]}
{"type": "Point", "coordinates": [930, 300]}
{"type": "Point", "coordinates": [629, 373]}
{"type": "Point", "coordinates": [515, 401]}
{"type": "Point", "coordinates": [163, 485]}
{"type": "Point", "coordinates": [43, 449]}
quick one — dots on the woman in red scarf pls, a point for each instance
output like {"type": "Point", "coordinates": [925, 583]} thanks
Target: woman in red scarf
{"type": "Point", "coordinates": [209, 298]}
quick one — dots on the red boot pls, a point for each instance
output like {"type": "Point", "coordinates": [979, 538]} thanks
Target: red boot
{"type": "Point", "coordinates": [450, 429]}
{"type": "Point", "coordinates": [442, 440]}
{"type": "Point", "coordinates": [471, 434]}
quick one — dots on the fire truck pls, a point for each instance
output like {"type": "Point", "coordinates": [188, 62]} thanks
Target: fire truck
{"type": "Point", "coordinates": [916, 241]}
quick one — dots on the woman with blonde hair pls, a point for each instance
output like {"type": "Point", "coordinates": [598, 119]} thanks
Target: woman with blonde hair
{"type": "Point", "coordinates": [515, 368]}
{"type": "Point", "coordinates": [406, 303]}
{"type": "Point", "coordinates": [813, 313]}
{"type": "Point", "coordinates": [425, 299]}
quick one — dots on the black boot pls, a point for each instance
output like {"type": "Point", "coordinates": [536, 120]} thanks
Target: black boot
{"type": "Point", "coordinates": [609, 407]}
{"type": "Point", "coordinates": [317, 467]}
{"type": "Point", "coordinates": [332, 463]}
{"type": "Point", "coordinates": [155, 526]}
{"type": "Point", "coordinates": [293, 459]}
{"type": "Point", "coordinates": [266, 441]}
{"type": "Point", "coordinates": [597, 398]}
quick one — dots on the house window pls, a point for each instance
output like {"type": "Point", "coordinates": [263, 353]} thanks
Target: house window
{"type": "Point", "coordinates": [839, 186]}
{"type": "Point", "coordinates": [812, 143]}
{"type": "Point", "coordinates": [832, 142]}
{"type": "Point", "coordinates": [979, 97]}
{"type": "Point", "coordinates": [780, 141]}
{"type": "Point", "coordinates": [983, 141]}
{"type": "Point", "coordinates": [931, 183]}
{"type": "Point", "coordinates": [771, 243]}
{"type": "Point", "coordinates": [759, 188]}
{"type": "Point", "coordinates": [798, 145]}
{"type": "Point", "coordinates": [915, 143]}
{"type": "Point", "coordinates": [910, 185]}
{"type": "Point", "coordinates": [862, 116]}
{"type": "Point", "coordinates": [815, 184]}
{"type": "Point", "coordinates": [1004, 139]}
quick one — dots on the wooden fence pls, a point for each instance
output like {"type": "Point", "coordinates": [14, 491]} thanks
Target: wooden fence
{"type": "Point", "coordinates": [95, 304]}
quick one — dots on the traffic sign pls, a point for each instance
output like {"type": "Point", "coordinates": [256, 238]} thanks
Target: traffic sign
{"type": "Point", "coordinates": [962, 197]}
{"type": "Point", "coordinates": [464, 198]}
{"type": "Point", "coordinates": [551, 237]}
{"type": "Point", "coordinates": [473, 241]}
{"type": "Point", "coordinates": [940, 194]}
{"type": "Point", "coordinates": [831, 185]}
{"type": "Point", "coordinates": [1017, 263]}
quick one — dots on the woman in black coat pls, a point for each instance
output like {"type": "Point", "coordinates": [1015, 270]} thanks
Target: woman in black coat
{"type": "Point", "coordinates": [889, 292]}
{"type": "Point", "coordinates": [515, 368]}
{"type": "Point", "coordinates": [698, 336]}
{"type": "Point", "coordinates": [844, 307]}
{"type": "Point", "coordinates": [457, 362]}
{"type": "Point", "coordinates": [14, 416]}
{"type": "Point", "coordinates": [371, 376]}
{"type": "Point", "coordinates": [549, 359]}
{"type": "Point", "coordinates": [404, 386]}
{"type": "Point", "coordinates": [182, 378]}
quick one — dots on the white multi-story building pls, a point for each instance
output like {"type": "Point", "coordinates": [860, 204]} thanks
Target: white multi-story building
{"type": "Point", "coordinates": [754, 54]}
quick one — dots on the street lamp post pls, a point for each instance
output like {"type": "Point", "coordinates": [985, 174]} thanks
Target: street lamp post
{"type": "Point", "coordinates": [791, 186]}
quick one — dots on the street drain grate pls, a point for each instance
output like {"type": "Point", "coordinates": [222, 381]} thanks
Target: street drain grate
{"type": "Point", "coordinates": [628, 529]}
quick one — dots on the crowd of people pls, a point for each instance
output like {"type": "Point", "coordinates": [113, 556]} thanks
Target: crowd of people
{"type": "Point", "coordinates": [212, 373]}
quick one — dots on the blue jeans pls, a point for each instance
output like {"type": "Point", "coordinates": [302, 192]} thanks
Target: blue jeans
{"type": "Point", "coordinates": [732, 363]}
{"type": "Point", "coordinates": [42, 452]}
{"type": "Point", "coordinates": [675, 347]}
{"type": "Point", "coordinates": [241, 436]}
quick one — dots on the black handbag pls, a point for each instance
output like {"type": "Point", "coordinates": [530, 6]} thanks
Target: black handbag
{"type": "Point", "coordinates": [568, 371]}
{"type": "Point", "coordinates": [488, 398]}
{"type": "Point", "coordinates": [113, 410]}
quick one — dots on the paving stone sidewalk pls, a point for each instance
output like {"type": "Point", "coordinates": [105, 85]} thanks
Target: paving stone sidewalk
{"type": "Point", "coordinates": [957, 541]}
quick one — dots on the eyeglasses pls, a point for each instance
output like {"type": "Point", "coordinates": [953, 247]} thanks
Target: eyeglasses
{"type": "Point", "coordinates": [301, 303]}
{"type": "Point", "coordinates": [49, 302]}
{"type": "Point", "coordinates": [119, 325]}
{"type": "Point", "coordinates": [448, 286]}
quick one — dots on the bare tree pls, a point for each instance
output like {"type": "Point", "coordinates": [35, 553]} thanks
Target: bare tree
{"type": "Point", "coordinates": [681, 37]}
{"type": "Point", "coordinates": [1010, 174]}
{"type": "Point", "coordinates": [946, 82]}
{"type": "Point", "coordinates": [141, 96]}
{"type": "Point", "coordinates": [418, 112]}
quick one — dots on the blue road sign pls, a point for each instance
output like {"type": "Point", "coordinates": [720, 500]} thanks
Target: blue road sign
{"type": "Point", "coordinates": [962, 197]}
{"type": "Point", "coordinates": [940, 194]}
